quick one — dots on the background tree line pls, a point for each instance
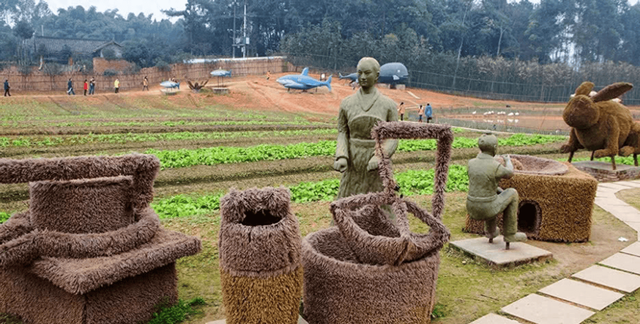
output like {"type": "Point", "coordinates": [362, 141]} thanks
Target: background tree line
{"type": "Point", "coordinates": [494, 46]}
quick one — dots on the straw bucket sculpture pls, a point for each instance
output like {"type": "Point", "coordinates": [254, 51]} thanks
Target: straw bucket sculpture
{"type": "Point", "coordinates": [260, 266]}
{"type": "Point", "coordinates": [367, 269]}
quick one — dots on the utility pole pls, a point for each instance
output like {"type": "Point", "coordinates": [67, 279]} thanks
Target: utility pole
{"type": "Point", "coordinates": [233, 43]}
{"type": "Point", "coordinates": [244, 28]}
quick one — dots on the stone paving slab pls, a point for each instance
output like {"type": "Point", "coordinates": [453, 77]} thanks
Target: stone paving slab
{"type": "Point", "coordinates": [495, 253]}
{"type": "Point", "coordinates": [633, 249]}
{"type": "Point", "coordinates": [606, 193]}
{"type": "Point", "coordinates": [542, 310]}
{"type": "Point", "coordinates": [300, 321]}
{"type": "Point", "coordinates": [494, 319]}
{"type": "Point", "coordinates": [610, 201]}
{"type": "Point", "coordinates": [624, 262]}
{"type": "Point", "coordinates": [614, 186]}
{"type": "Point", "coordinates": [582, 294]}
{"type": "Point", "coordinates": [630, 184]}
{"type": "Point", "coordinates": [611, 278]}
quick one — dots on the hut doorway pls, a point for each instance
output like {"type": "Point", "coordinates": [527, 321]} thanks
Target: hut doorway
{"type": "Point", "coordinates": [529, 216]}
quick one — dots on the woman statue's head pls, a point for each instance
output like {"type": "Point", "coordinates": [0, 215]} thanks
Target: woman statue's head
{"type": "Point", "coordinates": [368, 72]}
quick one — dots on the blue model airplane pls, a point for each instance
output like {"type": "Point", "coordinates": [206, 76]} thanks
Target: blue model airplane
{"type": "Point", "coordinates": [170, 84]}
{"type": "Point", "coordinates": [390, 73]}
{"type": "Point", "coordinates": [221, 73]}
{"type": "Point", "coordinates": [302, 81]}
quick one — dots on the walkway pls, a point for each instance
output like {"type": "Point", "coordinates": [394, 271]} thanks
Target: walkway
{"type": "Point", "coordinates": [571, 301]}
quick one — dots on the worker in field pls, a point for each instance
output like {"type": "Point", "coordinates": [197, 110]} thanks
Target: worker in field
{"type": "Point", "coordinates": [428, 112]}
{"type": "Point", "coordinates": [420, 113]}
{"type": "Point", "coordinates": [70, 87]}
{"type": "Point", "coordinates": [116, 84]}
{"type": "Point", "coordinates": [7, 87]}
{"type": "Point", "coordinates": [401, 110]}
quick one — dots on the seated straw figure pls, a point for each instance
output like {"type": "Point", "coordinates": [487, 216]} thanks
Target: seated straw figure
{"type": "Point", "coordinates": [485, 199]}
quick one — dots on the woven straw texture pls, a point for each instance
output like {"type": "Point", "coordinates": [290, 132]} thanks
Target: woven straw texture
{"type": "Point", "coordinates": [260, 267]}
{"type": "Point", "coordinates": [554, 208]}
{"type": "Point", "coordinates": [367, 269]}
{"type": "Point", "coordinates": [90, 240]}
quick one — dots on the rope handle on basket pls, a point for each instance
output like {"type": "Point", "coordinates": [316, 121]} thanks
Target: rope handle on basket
{"type": "Point", "coordinates": [409, 130]}
{"type": "Point", "coordinates": [381, 249]}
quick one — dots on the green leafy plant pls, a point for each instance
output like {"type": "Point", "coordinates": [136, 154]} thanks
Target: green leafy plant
{"type": "Point", "coordinates": [221, 154]}
{"type": "Point", "coordinates": [4, 217]}
{"type": "Point", "coordinates": [412, 182]}
{"type": "Point", "coordinates": [177, 313]}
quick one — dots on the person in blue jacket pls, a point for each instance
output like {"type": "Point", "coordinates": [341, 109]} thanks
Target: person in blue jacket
{"type": "Point", "coordinates": [7, 88]}
{"type": "Point", "coordinates": [428, 112]}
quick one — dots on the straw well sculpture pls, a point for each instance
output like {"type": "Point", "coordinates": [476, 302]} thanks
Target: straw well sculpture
{"type": "Point", "coordinates": [556, 200]}
{"type": "Point", "coordinates": [89, 249]}
{"type": "Point", "coordinates": [367, 269]}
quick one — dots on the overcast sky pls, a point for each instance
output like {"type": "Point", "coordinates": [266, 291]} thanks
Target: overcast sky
{"type": "Point", "coordinates": [137, 6]}
{"type": "Point", "coordinates": [124, 6]}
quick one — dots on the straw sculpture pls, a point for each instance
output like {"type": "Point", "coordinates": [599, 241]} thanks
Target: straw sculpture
{"type": "Point", "coordinates": [367, 269]}
{"type": "Point", "coordinates": [89, 249]}
{"type": "Point", "coordinates": [556, 200]}
{"type": "Point", "coordinates": [260, 265]}
{"type": "Point", "coordinates": [600, 124]}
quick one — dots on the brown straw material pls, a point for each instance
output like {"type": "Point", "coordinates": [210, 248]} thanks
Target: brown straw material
{"type": "Point", "coordinates": [368, 269]}
{"type": "Point", "coordinates": [89, 241]}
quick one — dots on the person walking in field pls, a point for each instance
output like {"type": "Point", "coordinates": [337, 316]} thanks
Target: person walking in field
{"type": "Point", "coordinates": [401, 111]}
{"type": "Point", "coordinates": [116, 84]}
{"type": "Point", "coordinates": [85, 87]}
{"type": "Point", "coordinates": [145, 83]}
{"type": "Point", "coordinates": [428, 112]}
{"type": "Point", "coordinates": [70, 87]}
{"type": "Point", "coordinates": [92, 86]}
{"type": "Point", "coordinates": [420, 113]}
{"type": "Point", "coordinates": [7, 87]}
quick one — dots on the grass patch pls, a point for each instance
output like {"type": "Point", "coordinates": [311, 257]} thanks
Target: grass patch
{"type": "Point", "coordinates": [467, 289]}
{"type": "Point", "coordinates": [177, 313]}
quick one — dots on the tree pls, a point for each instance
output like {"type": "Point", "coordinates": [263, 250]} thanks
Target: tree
{"type": "Point", "coordinates": [24, 31]}
{"type": "Point", "coordinates": [137, 53]}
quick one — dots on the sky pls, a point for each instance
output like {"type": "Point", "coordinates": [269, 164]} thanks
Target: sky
{"type": "Point", "coordinates": [136, 6]}
{"type": "Point", "coordinates": [124, 6]}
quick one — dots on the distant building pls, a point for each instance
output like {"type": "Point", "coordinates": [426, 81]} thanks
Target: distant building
{"type": "Point", "coordinates": [78, 47]}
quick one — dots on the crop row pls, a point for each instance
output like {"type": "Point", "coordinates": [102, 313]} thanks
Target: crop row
{"type": "Point", "coordinates": [223, 154]}
{"type": "Point", "coordinates": [165, 123]}
{"type": "Point", "coordinates": [411, 182]}
{"type": "Point", "coordinates": [151, 137]}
